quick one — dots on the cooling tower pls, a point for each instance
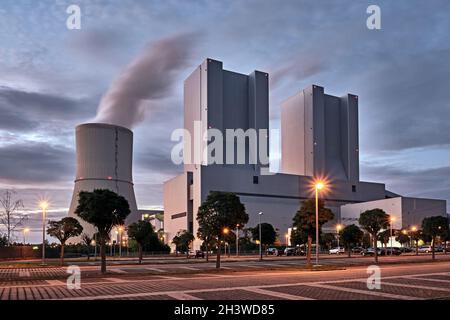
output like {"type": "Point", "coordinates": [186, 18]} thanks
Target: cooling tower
{"type": "Point", "coordinates": [104, 161]}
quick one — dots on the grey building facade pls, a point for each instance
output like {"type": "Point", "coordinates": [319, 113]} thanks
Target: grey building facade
{"type": "Point", "coordinates": [319, 135]}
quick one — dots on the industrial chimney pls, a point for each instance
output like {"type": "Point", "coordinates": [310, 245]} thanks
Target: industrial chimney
{"type": "Point", "coordinates": [104, 161]}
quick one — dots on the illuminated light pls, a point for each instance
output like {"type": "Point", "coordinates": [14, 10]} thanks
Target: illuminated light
{"type": "Point", "coordinates": [392, 219]}
{"type": "Point", "coordinates": [26, 230]}
{"type": "Point", "coordinates": [43, 205]}
{"type": "Point", "coordinates": [226, 230]}
{"type": "Point", "coordinates": [338, 227]}
{"type": "Point", "coordinates": [414, 228]}
{"type": "Point", "coordinates": [109, 178]}
{"type": "Point", "coordinates": [404, 231]}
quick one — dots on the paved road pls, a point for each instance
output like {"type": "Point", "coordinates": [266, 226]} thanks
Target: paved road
{"type": "Point", "coordinates": [402, 282]}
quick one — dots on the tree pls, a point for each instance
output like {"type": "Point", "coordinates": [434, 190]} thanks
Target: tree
{"type": "Point", "coordinates": [384, 237]}
{"type": "Point", "coordinates": [87, 241]}
{"type": "Point", "coordinates": [141, 232]}
{"type": "Point", "coordinates": [416, 236]}
{"type": "Point", "coordinates": [220, 210]}
{"type": "Point", "coordinates": [434, 227]}
{"type": "Point", "coordinates": [63, 230]}
{"type": "Point", "coordinates": [326, 239]}
{"type": "Point", "coordinates": [298, 237]}
{"type": "Point", "coordinates": [268, 234]}
{"type": "Point", "coordinates": [11, 214]}
{"type": "Point", "coordinates": [104, 209]}
{"type": "Point", "coordinates": [3, 240]}
{"type": "Point", "coordinates": [402, 238]}
{"type": "Point", "coordinates": [305, 220]}
{"type": "Point", "coordinates": [373, 221]}
{"type": "Point", "coordinates": [445, 237]}
{"type": "Point", "coordinates": [183, 240]}
{"type": "Point", "coordinates": [351, 235]}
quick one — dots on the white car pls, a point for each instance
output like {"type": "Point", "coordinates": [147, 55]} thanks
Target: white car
{"type": "Point", "coordinates": [337, 250]}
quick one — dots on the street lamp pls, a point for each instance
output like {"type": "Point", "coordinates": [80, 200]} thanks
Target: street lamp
{"type": "Point", "coordinates": [120, 240]}
{"type": "Point", "coordinates": [338, 228]}
{"type": "Point", "coordinates": [43, 205]}
{"type": "Point", "coordinates": [25, 231]}
{"type": "Point", "coordinates": [237, 240]}
{"type": "Point", "coordinates": [319, 185]}
{"type": "Point", "coordinates": [260, 240]}
{"type": "Point", "coordinates": [392, 222]}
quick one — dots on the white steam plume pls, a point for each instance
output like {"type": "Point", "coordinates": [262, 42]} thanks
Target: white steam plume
{"type": "Point", "coordinates": [146, 79]}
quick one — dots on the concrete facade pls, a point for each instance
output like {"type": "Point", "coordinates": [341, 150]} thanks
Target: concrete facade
{"type": "Point", "coordinates": [406, 211]}
{"type": "Point", "coordinates": [319, 139]}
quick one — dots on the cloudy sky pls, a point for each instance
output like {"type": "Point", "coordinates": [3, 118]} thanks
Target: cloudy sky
{"type": "Point", "coordinates": [52, 79]}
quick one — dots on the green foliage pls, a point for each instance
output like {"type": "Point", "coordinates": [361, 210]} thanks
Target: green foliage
{"type": "Point", "coordinates": [402, 238]}
{"type": "Point", "coordinates": [141, 231]}
{"type": "Point", "coordinates": [435, 226]}
{"type": "Point", "coordinates": [327, 239]}
{"type": "Point", "coordinates": [384, 236]}
{"type": "Point", "coordinates": [183, 240]}
{"type": "Point", "coordinates": [351, 235]}
{"type": "Point", "coordinates": [104, 209]}
{"type": "Point", "coordinates": [446, 236]}
{"type": "Point", "coordinates": [268, 233]}
{"type": "Point", "coordinates": [3, 240]}
{"type": "Point", "coordinates": [298, 237]}
{"type": "Point", "coordinates": [373, 221]}
{"type": "Point", "coordinates": [220, 210]}
{"type": "Point", "coordinates": [64, 229]}
{"type": "Point", "coordinates": [305, 218]}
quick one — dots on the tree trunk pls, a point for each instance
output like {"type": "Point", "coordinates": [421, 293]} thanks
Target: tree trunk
{"type": "Point", "coordinates": [62, 254]}
{"type": "Point", "coordinates": [218, 255]}
{"type": "Point", "coordinates": [432, 248]}
{"type": "Point", "coordinates": [445, 247]}
{"type": "Point", "coordinates": [140, 253]}
{"type": "Point", "coordinates": [102, 256]}
{"type": "Point", "coordinates": [349, 251]}
{"type": "Point", "coordinates": [207, 251]}
{"type": "Point", "coordinates": [308, 251]}
{"type": "Point", "coordinates": [417, 247]}
{"type": "Point", "coordinates": [375, 251]}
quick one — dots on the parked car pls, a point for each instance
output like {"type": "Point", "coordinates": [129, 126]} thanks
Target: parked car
{"type": "Point", "coordinates": [387, 251]}
{"type": "Point", "coordinates": [290, 252]}
{"type": "Point", "coordinates": [272, 251]}
{"type": "Point", "coordinates": [424, 249]}
{"type": "Point", "coordinates": [357, 249]}
{"type": "Point", "coordinates": [337, 250]}
{"type": "Point", "coordinates": [370, 252]}
{"type": "Point", "coordinates": [406, 249]}
{"type": "Point", "coordinates": [196, 254]}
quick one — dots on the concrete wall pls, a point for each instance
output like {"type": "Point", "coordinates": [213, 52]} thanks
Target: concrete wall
{"type": "Point", "coordinates": [406, 211]}
{"type": "Point", "coordinates": [319, 135]}
{"type": "Point", "coordinates": [175, 206]}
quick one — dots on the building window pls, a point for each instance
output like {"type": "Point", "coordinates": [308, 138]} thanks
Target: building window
{"type": "Point", "coordinates": [353, 188]}
{"type": "Point", "coordinates": [255, 179]}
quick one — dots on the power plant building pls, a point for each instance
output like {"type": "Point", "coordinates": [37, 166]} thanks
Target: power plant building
{"type": "Point", "coordinates": [319, 138]}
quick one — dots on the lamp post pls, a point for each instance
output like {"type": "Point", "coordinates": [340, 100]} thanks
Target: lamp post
{"type": "Point", "coordinates": [120, 241]}
{"type": "Point", "coordinates": [414, 229]}
{"type": "Point", "coordinates": [237, 240]}
{"type": "Point", "coordinates": [25, 231]}
{"type": "Point", "coordinates": [392, 222]}
{"type": "Point", "coordinates": [318, 186]}
{"type": "Point", "coordinates": [44, 206]}
{"type": "Point", "coordinates": [338, 228]}
{"type": "Point", "coordinates": [260, 240]}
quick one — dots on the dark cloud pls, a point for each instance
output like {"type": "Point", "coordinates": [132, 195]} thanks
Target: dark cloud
{"type": "Point", "coordinates": [23, 110]}
{"type": "Point", "coordinates": [35, 163]}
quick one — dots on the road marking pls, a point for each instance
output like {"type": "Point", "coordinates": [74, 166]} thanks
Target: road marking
{"type": "Point", "coordinates": [415, 286]}
{"type": "Point", "coordinates": [55, 282]}
{"type": "Point", "coordinates": [170, 278]}
{"type": "Point", "coordinates": [182, 296]}
{"type": "Point", "coordinates": [227, 268]}
{"type": "Point", "coordinates": [117, 270]}
{"type": "Point", "coordinates": [115, 280]}
{"type": "Point", "coordinates": [190, 268]}
{"type": "Point", "coordinates": [155, 269]}
{"type": "Point", "coordinates": [428, 279]}
{"type": "Point", "coordinates": [277, 294]}
{"type": "Point", "coordinates": [365, 292]}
